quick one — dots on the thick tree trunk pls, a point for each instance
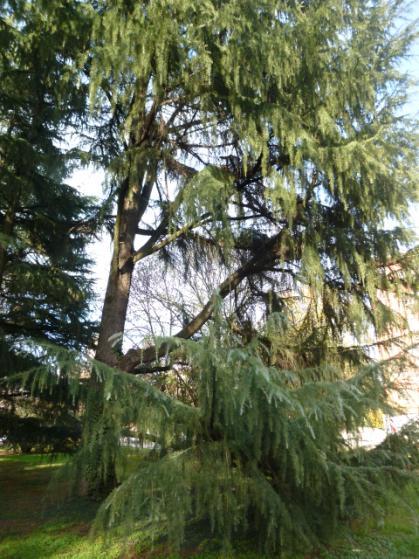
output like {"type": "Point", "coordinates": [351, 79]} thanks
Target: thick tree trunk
{"type": "Point", "coordinates": [100, 438]}
{"type": "Point", "coordinates": [120, 275]}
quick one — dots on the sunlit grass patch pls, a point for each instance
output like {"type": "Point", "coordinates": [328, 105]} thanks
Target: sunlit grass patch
{"type": "Point", "coordinates": [34, 459]}
{"type": "Point", "coordinates": [57, 542]}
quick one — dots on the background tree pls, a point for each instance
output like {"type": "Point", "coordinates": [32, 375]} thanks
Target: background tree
{"type": "Point", "coordinates": [45, 288]}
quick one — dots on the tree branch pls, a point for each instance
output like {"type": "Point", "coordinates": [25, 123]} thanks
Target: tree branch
{"type": "Point", "coordinates": [150, 248]}
{"type": "Point", "coordinates": [258, 263]}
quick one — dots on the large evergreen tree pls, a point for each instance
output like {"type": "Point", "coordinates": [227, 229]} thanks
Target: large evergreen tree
{"type": "Point", "coordinates": [273, 130]}
{"type": "Point", "coordinates": [304, 145]}
{"type": "Point", "coordinates": [44, 282]}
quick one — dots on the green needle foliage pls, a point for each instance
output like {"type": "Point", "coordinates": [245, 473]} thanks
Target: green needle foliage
{"type": "Point", "coordinates": [284, 117]}
{"type": "Point", "coordinates": [45, 289]}
{"type": "Point", "coordinates": [274, 130]}
{"type": "Point", "coordinates": [263, 452]}
{"type": "Point", "coordinates": [305, 100]}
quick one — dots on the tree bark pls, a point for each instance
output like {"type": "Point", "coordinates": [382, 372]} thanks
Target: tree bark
{"type": "Point", "coordinates": [120, 275]}
{"type": "Point", "coordinates": [100, 439]}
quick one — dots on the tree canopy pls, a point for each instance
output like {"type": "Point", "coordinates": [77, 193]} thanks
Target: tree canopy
{"type": "Point", "coordinates": [45, 289]}
{"type": "Point", "coordinates": [303, 147]}
{"type": "Point", "coordinates": [263, 141]}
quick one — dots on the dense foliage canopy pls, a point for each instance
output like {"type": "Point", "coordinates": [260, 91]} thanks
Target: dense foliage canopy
{"type": "Point", "coordinates": [44, 285]}
{"type": "Point", "coordinates": [261, 142]}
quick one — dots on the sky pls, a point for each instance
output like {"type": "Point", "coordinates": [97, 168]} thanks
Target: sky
{"type": "Point", "coordinates": [90, 180]}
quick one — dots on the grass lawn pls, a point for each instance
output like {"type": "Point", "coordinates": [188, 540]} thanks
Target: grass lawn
{"type": "Point", "coordinates": [32, 526]}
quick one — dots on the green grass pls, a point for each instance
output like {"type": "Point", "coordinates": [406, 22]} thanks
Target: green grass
{"type": "Point", "coordinates": [395, 536]}
{"type": "Point", "coordinates": [33, 526]}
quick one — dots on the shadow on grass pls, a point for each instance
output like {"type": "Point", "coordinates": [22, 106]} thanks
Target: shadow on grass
{"type": "Point", "coordinates": [32, 526]}
{"type": "Point", "coordinates": [26, 503]}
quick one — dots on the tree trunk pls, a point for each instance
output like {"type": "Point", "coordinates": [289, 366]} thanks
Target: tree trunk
{"type": "Point", "coordinates": [100, 439]}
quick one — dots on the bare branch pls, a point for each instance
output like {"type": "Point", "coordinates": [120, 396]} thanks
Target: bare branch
{"type": "Point", "coordinates": [264, 259]}
{"type": "Point", "coordinates": [148, 248]}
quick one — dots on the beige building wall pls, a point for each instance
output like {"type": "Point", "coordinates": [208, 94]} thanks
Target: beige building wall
{"type": "Point", "coordinates": [406, 341]}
